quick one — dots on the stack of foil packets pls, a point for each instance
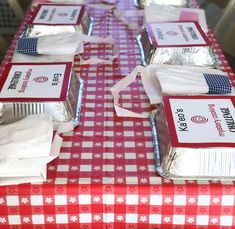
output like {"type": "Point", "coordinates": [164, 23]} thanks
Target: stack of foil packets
{"type": "Point", "coordinates": [179, 43]}
{"type": "Point", "coordinates": [31, 88]}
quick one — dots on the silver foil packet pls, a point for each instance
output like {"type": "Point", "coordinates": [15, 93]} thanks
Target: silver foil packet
{"type": "Point", "coordinates": [59, 18]}
{"type": "Point", "coordinates": [32, 88]}
{"type": "Point", "coordinates": [142, 3]}
{"type": "Point", "coordinates": [178, 43]}
{"type": "Point", "coordinates": [195, 142]}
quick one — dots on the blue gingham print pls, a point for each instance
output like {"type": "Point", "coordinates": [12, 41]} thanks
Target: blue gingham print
{"type": "Point", "coordinates": [27, 46]}
{"type": "Point", "coordinates": [218, 84]}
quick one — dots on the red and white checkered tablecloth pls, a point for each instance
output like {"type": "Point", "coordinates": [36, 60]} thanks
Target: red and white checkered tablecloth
{"type": "Point", "coordinates": [105, 175]}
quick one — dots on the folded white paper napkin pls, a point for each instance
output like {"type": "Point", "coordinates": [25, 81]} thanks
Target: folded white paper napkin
{"type": "Point", "coordinates": [169, 2]}
{"type": "Point", "coordinates": [29, 137]}
{"type": "Point", "coordinates": [109, 1]}
{"type": "Point", "coordinates": [18, 57]}
{"type": "Point", "coordinates": [26, 147]}
{"type": "Point", "coordinates": [166, 2]}
{"type": "Point", "coordinates": [60, 44]}
{"type": "Point", "coordinates": [68, 1]}
{"type": "Point", "coordinates": [170, 13]}
{"type": "Point", "coordinates": [186, 81]}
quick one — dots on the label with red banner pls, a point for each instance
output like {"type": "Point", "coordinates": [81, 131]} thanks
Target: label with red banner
{"type": "Point", "coordinates": [177, 34]}
{"type": "Point", "coordinates": [201, 121]}
{"type": "Point", "coordinates": [57, 14]}
{"type": "Point", "coordinates": [35, 82]}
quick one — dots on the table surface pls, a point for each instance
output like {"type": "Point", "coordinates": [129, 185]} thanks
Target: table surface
{"type": "Point", "coordinates": [105, 175]}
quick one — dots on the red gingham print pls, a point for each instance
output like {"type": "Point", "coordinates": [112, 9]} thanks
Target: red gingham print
{"type": "Point", "coordinates": [105, 175]}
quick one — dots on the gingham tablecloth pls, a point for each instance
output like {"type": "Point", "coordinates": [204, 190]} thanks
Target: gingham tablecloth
{"type": "Point", "coordinates": [105, 175]}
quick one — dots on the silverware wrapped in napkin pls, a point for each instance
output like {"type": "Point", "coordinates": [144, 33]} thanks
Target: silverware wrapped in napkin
{"type": "Point", "coordinates": [60, 44]}
{"type": "Point", "coordinates": [179, 43]}
{"type": "Point", "coordinates": [194, 137]}
{"type": "Point", "coordinates": [51, 19]}
{"type": "Point", "coordinates": [31, 88]}
{"type": "Point", "coordinates": [187, 80]}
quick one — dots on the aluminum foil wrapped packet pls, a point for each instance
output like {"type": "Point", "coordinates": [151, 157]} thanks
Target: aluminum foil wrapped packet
{"type": "Point", "coordinates": [194, 137]}
{"type": "Point", "coordinates": [143, 3]}
{"type": "Point", "coordinates": [51, 19]}
{"type": "Point", "coordinates": [32, 88]}
{"type": "Point", "coordinates": [179, 43]}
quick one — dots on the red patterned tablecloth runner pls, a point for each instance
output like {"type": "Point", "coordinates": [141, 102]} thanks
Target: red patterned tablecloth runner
{"type": "Point", "coordinates": [105, 175]}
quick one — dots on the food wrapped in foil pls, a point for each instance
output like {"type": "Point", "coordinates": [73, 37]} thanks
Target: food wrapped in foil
{"type": "Point", "coordinates": [143, 3]}
{"type": "Point", "coordinates": [58, 18]}
{"type": "Point", "coordinates": [194, 137]}
{"type": "Point", "coordinates": [32, 88]}
{"type": "Point", "coordinates": [179, 43]}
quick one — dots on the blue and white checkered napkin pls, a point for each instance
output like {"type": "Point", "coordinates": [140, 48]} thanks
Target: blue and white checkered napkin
{"type": "Point", "coordinates": [218, 84]}
{"type": "Point", "coordinates": [60, 44]}
{"type": "Point", "coordinates": [28, 46]}
{"type": "Point", "coordinates": [184, 80]}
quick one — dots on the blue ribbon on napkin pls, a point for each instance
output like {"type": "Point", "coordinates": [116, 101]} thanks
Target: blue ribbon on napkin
{"type": "Point", "coordinates": [27, 45]}
{"type": "Point", "coordinates": [218, 84]}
